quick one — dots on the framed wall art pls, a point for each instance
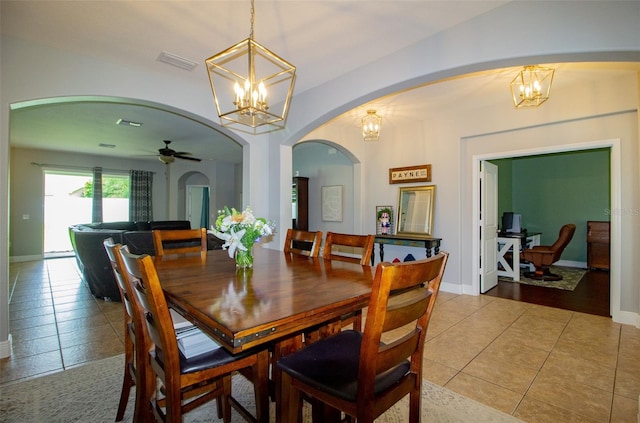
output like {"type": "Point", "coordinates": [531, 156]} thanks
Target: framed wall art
{"type": "Point", "coordinates": [332, 203]}
{"type": "Point", "coordinates": [400, 175]}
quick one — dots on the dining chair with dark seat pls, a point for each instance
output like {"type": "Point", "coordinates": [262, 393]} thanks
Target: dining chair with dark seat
{"type": "Point", "coordinates": [129, 379]}
{"type": "Point", "coordinates": [362, 374]}
{"type": "Point", "coordinates": [179, 241]}
{"type": "Point", "coordinates": [303, 243]}
{"type": "Point", "coordinates": [187, 383]}
{"type": "Point", "coordinates": [354, 249]}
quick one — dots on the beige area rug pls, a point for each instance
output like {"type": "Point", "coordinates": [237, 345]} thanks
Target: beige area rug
{"type": "Point", "coordinates": [90, 393]}
{"type": "Point", "coordinates": [571, 277]}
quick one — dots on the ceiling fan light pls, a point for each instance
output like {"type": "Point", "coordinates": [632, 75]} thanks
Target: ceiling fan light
{"type": "Point", "coordinates": [166, 159]}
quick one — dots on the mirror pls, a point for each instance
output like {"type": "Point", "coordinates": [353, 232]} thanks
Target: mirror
{"type": "Point", "coordinates": [415, 210]}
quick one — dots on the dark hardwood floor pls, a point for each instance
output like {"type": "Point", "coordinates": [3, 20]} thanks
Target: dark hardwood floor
{"type": "Point", "coordinates": [590, 296]}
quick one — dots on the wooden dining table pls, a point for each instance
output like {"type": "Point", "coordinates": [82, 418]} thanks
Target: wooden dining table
{"type": "Point", "coordinates": [271, 304]}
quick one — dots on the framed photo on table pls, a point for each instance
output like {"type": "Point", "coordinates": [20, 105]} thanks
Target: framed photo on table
{"type": "Point", "coordinates": [332, 203]}
{"type": "Point", "coordinates": [385, 223]}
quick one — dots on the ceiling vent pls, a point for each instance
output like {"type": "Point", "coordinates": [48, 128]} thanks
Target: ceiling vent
{"type": "Point", "coordinates": [125, 122]}
{"type": "Point", "coordinates": [177, 61]}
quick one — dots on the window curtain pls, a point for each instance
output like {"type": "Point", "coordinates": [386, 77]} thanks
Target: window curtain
{"type": "Point", "coordinates": [96, 204]}
{"type": "Point", "coordinates": [140, 201]}
{"type": "Point", "coordinates": [204, 215]}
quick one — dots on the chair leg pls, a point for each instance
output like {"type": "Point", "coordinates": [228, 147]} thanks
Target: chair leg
{"type": "Point", "coordinates": [225, 399]}
{"type": "Point", "coordinates": [415, 408]}
{"type": "Point", "coordinates": [291, 402]}
{"type": "Point", "coordinates": [127, 383]}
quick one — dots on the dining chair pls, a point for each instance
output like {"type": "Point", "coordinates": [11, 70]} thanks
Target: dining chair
{"type": "Point", "coordinates": [303, 243]}
{"type": "Point", "coordinates": [179, 241]}
{"type": "Point", "coordinates": [348, 247]}
{"type": "Point", "coordinates": [358, 250]}
{"type": "Point", "coordinates": [187, 383]}
{"type": "Point", "coordinates": [129, 378]}
{"type": "Point", "coordinates": [136, 363]}
{"type": "Point", "coordinates": [364, 373]}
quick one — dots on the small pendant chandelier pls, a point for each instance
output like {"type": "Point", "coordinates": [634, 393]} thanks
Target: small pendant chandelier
{"type": "Point", "coordinates": [371, 125]}
{"type": "Point", "coordinates": [252, 86]}
{"type": "Point", "coordinates": [531, 87]}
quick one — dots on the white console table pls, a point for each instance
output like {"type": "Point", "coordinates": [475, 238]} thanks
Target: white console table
{"type": "Point", "coordinates": [511, 244]}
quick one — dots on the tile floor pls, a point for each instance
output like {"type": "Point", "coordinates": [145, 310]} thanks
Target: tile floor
{"type": "Point", "coordinates": [537, 363]}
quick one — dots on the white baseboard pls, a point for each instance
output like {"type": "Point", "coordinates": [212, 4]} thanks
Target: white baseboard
{"type": "Point", "coordinates": [5, 348]}
{"type": "Point", "coordinates": [18, 259]}
{"type": "Point", "coordinates": [452, 288]}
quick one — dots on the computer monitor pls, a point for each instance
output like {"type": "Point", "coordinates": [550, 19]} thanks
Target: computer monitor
{"type": "Point", "coordinates": [511, 223]}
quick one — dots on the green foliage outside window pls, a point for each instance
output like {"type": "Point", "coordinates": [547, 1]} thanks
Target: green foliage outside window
{"type": "Point", "coordinates": [111, 188]}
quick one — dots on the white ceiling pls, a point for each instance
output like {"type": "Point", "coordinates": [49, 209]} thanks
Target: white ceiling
{"type": "Point", "coordinates": [323, 39]}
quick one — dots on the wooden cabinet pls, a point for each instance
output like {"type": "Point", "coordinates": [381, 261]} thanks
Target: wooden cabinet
{"type": "Point", "coordinates": [300, 199]}
{"type": "Point", "coordinates": [598, 245]}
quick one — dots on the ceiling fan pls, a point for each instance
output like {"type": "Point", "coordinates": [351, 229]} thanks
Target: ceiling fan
{"type": "Point", "coordinates": [167, 155]}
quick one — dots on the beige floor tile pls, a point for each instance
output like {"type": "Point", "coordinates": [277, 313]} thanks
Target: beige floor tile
{"type": "Point", "coordinates": [104, 333]}
{"type": "Point", "coordinates": [549, 313]}
{"type": "Point", "coordinates": [533, 337]}
{"type": "Point", "coordinates": [582, 399]}
{"type": "Point", "coordinates": [436, 372]}
{"type": "Point", "coordinates": [627, 383]}
{"type": "Point", "coordinates": [578, 370]}
{"type": "Point", "coordinates": [468, 304]}
{"type": "Point", "coordinates": [29, 312]}
{"type": "Point", "coordinates": [606, 355]}
{"type": "Point", "coordinates": [25, 305]}
{"type": "Point", "coordinates": [533, 411]}
{"type": "Point", "coordinates": [78, 313]}
{"type": "Point", "coordinates": [32, 347]}
{"type": "Point", "coordinates": [590, 328]}
{"type": "Point", "coordinates": [506, 348]}
{"type": "Point", "coordinates": [453, 351]}
{"type": "Point", "coordinates": [83, 323]}
{"type": "Point", "coordinates": [89, 303]}
{"type": "Point", "coordinates": [485, 392]}
{"type": "Point", "coordinates": [539, 325]}
{"type": "Point", "coordinates": [37, 332]}
{"type": "Point", "coordinates": [624, 410]}
{"type": "Point", "coordinates": [90, 352]}
{"type": "Point", "coordinates": [19, 368]}
{"type": "Point", "coordinates": [503, 373]}
{"type": "Point", "coordinates": [30, 322]}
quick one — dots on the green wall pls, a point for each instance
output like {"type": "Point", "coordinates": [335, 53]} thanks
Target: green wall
{"type": "Point", "coordinates": [554, 189]}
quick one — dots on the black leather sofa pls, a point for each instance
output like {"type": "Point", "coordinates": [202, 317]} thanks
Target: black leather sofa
{"type": "Point", "coordinates": [95, 268]}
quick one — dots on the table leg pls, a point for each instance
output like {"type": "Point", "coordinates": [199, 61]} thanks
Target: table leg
{"type": "Point", "coordinates": [381, 250]}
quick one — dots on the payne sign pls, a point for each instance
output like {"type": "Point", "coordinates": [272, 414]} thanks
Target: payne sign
{"type": "Point", "coordinates": [399, 175]}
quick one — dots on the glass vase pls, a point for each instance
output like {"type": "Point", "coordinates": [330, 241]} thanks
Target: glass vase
{"type": "Point", "coordinates": [244, 259]}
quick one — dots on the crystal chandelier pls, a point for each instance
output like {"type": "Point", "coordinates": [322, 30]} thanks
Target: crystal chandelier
{"type": "Point", "coordinates": [252, 86]}
{"type": "Point", "coordinates": [531, 87]}
{"type": "Point", "coordinates": [371, 126]}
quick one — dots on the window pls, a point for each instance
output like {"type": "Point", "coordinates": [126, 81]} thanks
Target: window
{"type": "Point", "coordinates": [67, 201]}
